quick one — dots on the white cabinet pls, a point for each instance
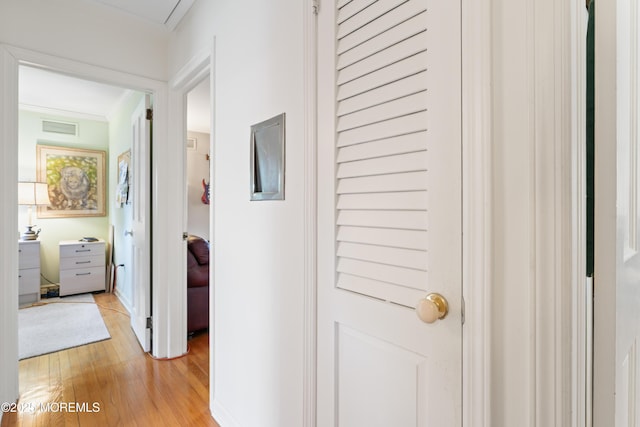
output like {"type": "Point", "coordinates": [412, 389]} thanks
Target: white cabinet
{"type": "Point", "coordinates": [82, 267]}
{"type": "Point", "coordinates": [29, 271]}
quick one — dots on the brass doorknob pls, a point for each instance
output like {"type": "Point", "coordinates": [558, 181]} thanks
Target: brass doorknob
{"type": "Point", "coordinates": [432, 307]}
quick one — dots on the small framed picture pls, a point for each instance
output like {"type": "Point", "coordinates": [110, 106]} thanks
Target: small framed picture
{"type": "Point", "coordinates": [267, 159]}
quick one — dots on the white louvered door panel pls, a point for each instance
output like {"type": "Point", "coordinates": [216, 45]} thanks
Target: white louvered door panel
{"type": "Point", "coordinates": [387, 147]}
{"type": "Point", "coordinates": [389, 116]}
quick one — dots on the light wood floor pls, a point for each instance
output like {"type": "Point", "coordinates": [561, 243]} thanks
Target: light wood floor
{"type": "Point", "coordinates": [127, 386]}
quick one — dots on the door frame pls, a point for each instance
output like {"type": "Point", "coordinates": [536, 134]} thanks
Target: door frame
{"type": "Point", "coordinates": [11, 58]}
{"type": "Point", "coordinates": [606, 373]}
{"type": "Point", "coordinates": [188, 77]}
{"type": "Point", "coordinates": [581, 294]}
{"type": "Point", "coordinates": [556, 386]}
{"type": "Point", "coordinates": [477, 229]}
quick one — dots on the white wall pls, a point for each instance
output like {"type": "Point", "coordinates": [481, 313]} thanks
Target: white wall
{"type": "Point", "coordinates": [92, 135]}
{"type": "Point", "coordinates": [258, 249]}
{"type": "Point", "coordinates": [197, 170]}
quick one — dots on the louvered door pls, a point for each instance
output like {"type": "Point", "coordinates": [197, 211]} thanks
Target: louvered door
{"type": "Point", "coordinates": [390, 212]}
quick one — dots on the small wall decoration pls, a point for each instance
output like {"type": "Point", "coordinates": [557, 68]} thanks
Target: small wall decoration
{"type": "Point", "coordinates": [124, 172]}
{"type": "Point", "coordinates": [267, 159]}
{"type": "Point", "coordinates": [206, 193]}
{"type": "Point", "coordinates": [76, 180]}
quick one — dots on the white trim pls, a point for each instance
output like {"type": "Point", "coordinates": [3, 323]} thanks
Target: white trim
{"type": "Point", "coordinates": [606, 306]}
{"type": "Point", "coordinates": [62, 113]}
{"type": "Point", "coordinates": [126, 94]}
{"type": "Point", "coordinates": [85, 71]}
{"type": "Point", "coordinates": [477, 219]}
{"type": "Point", "coordinates": [161, 189]}
{"type": "Point", "coordinates": [310, 215]}
{"type": "Point", "coordinates": [222, 416]}
{"type": "Point", "coordinates": [126, 302]}
{"type": "Point", "coordinates": [552, 230]}
{"type": "Point", "coordinates": [177, 14]}
{"type": "Point", "coordinates": [552, 209]}
{"type": "Point", "coordinates": [9, 227]}
{"type": "Point", "coordinates": [192, 73]}
{"type": "Point", "coordinates": [581, 296]}
{"type": "Point", "coordinates": [188, 77]}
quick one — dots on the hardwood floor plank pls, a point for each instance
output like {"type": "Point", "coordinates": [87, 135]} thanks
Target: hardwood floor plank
{"type": "Point", "coordinates": [124, 384]}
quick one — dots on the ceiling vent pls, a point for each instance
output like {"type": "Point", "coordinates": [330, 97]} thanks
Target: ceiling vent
{"type": "Point", "coordinates": [60, 127]}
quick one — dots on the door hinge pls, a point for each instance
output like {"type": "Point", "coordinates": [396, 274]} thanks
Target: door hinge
{"type": "Point", "coordinates": [315, 6]}
{"type": "Point", "coordinates": [463, 310]}
{"type": "Point", "coordinates": [149, 323]}
{"type": "Point", "coordinates": [185, 235]}
{"type": "Point", "coordinates": [149, 114]}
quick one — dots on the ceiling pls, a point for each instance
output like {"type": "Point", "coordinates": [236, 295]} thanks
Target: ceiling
{"type": "Point", "coordinates": [45, 90]}
{"type": "Point", "coordinates": [163, 12]}
{"type": "Point", "coordinates": [54, 93]}
{"type": "Point", "coordinates": [60, 94]}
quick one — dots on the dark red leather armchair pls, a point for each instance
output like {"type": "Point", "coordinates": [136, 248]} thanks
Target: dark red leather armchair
{"type": "Point", "coordinates": [197, 284]}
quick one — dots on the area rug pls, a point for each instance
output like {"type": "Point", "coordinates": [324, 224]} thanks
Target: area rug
{"type": "Point", "coordinates": [59, 324]}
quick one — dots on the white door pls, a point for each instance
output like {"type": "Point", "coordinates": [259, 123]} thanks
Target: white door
{"type": "Point", "coordinates": [617, 209]}
{"type": "Point", "coordinates": [141, 204]}
{"type": "Point", "coordinates": [389, 188]}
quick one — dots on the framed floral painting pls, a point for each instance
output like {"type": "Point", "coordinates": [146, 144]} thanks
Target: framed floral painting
{"type": "Point", "coordinates": [76, 180]}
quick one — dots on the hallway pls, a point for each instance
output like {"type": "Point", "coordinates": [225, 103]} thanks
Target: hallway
{"type": "Point", "coordinates": [113, 382]}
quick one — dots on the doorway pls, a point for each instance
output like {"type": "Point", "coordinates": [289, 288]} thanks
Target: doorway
{"type": "Point", "coordinates": [198, 159]}
{"type": "Point", "coordinates": [166, 241]}
{"type": "Point", "coordinates": [198, 203]}
{"type": "Point", "coordinates": [77, 114]}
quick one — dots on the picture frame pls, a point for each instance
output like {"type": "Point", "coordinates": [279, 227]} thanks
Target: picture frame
{"type": "Point", "coordinates": [76, 178]}
{"type": "Point", "coordinates": [268, 159]}
{"type": "Point", "coordinates": [124, 179]}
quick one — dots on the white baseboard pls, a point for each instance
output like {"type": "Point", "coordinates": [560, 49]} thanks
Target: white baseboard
{"type": "Point", "coordinates": [125, 302]}
{"type": "Point", "coordinates": [222, 416]}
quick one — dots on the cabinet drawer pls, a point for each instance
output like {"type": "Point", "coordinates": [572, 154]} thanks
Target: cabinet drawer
{"type": "Point", "coordinates": [81, 262]}
{"type": "Point", "coordinates": [76, 281]}
{"type": "Point", "coordinates": [29, 281]}
{"type": "Point", "coordinates": [81, 249]}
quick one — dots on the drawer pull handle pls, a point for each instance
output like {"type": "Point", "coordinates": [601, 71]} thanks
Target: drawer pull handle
{"type": "Point", "coordinates": [83, 274]}
{"type": "Point", "coordinates": [83, 262]}
{"type": "Point", "coordinates": [83, 250]}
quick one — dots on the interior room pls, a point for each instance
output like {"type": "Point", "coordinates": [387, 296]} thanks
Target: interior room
{"type": "Point", "coordinates": [70, 117]}
{"type": "Point", "coordinates": [198, 206]}
{"type": "Point", "coordinates": [65, 116]}
{"type": "Point", "coordinates": [62, 112]}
